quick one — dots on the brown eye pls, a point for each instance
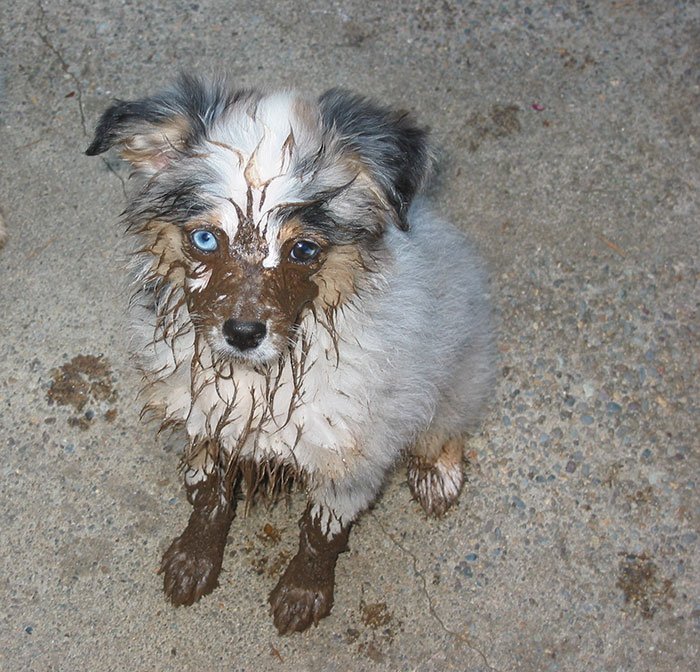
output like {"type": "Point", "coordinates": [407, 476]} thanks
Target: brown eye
{"type": "Point", "coordinates": [304, 251]}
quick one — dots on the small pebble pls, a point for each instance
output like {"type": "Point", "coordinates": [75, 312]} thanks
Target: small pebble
{"type": "Point", "coordinates": [464, 569]}
{"type": "Point", "coordinates": [613, 408]}
{"type": "Point", "coordinates": [656, 477]}
{"type": "Point", "coordinates": [570, 467]}
{"type": "Point", "coordinates": [587, 419]}
{"type": "Point", "coordinates": [518, 503]}
{"type": "Point", "coordinates": [29, 629]}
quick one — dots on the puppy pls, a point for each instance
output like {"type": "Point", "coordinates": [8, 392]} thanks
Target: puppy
{"type": "Point", "coordinates": [300, 312]}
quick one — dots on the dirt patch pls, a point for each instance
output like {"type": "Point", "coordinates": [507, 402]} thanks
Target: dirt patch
{"type": "Point", "coordinates": [379, 631]}
{"type": "Point", "coordinates": [270, 566]}
{"type": "Point", "coordinates": [376, 615]}
{"type": "Point", "coordinates": [643, 588]}
{"type": "Point", "coordinates": [270, 533]}
{"type": "Point", "coordinates": [373, 652]}
{"type": "Point", "coordinates": [576, 62]}
{"type": "Point", "coordinates": [82, 383]}
{"type": "Point", "coordinates": [500, 122]}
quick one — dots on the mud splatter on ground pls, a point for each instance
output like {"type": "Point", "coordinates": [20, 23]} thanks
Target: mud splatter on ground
{"type": "Point", "coordinates": [380, 630]}
{"type": "Point", "coordinates": [373, 652]}
{"type": "Point", "coordinates": [84, 384]}
{"type": "Point", "coordinates": [643, 589]}
{"type": "Point", "coordinates": [500, 122]}
{"type": "Point", "coordinates": [262, 564]}
{"type": "Point", "coordinates": [376, 615]}
{"type": "Point", "coordinates": [261, 560]}
{"type": "Point", "coordinates": [270, 533]}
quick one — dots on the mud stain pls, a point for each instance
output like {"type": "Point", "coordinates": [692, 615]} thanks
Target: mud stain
{"type": "Point", "coordinates": [576, 62]}
{"type": "Point", "coordinates": [642, 587]}
{"type": "Point", "coordinates": [262, 560]}
{"type": "Point", "coordinates": [262, 564]}
{"type": "Point", "coordinates": [500, 122]}
{"type": "Point", "coordinates": [376, 615]}
{"type": "Point", "coordinates": [373, 652]}
{"type": "Point", "coordinates": [270, 533]}
{"type": "Point", "coordinates": [83, 382]}
{"type": "Point", "coordinates": [380, 629]}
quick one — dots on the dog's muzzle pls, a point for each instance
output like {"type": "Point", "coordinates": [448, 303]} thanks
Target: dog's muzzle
{"type": "Point", "coordinates": [244, 335]}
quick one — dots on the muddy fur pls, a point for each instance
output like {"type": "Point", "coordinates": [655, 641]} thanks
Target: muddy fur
{"type": "Point", "coordinates": [301, 311]}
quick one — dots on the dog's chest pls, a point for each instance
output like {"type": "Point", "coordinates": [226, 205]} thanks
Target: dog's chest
{"type": "Point", "coordinates": [311, 417]}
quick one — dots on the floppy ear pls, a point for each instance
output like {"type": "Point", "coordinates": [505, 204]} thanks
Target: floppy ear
{"type": "Point", "coordinates": [152, 132]}
{"type": "Point", "coordinates": [391, 146]}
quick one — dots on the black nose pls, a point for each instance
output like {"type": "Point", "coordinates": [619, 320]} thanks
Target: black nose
{"type": "Point", "coordinates": [244, 335]}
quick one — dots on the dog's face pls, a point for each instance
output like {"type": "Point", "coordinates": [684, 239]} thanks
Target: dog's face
{"type": "Point", "coordinates": [260, 207]}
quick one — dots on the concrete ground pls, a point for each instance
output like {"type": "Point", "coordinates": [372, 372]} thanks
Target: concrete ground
{"type": "Point", "coordinates": [570, 137]}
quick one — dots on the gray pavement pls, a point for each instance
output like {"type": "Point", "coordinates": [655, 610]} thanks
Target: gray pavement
{"type": "Point", "coordinates": [570, 138]}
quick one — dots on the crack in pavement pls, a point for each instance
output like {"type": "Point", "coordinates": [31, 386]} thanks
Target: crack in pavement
{"type": "Point", "coordinates": [459, 636]}
{"type": "Point", "coordinates": [44, 37]}
{"type": "Point", "coordinates": [64, 65]}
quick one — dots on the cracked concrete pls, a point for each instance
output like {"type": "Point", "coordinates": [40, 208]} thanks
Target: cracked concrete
{"type": "Point", "coordinates": [569, 135]}
{"type": "Point", "coordinates": [460, 637]}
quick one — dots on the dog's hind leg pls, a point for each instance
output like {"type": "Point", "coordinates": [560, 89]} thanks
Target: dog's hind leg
{"type": "Point", "coordinates": [304, 593]}
{"type": "Point", "coordinates": [192, 563]}
{"type": "Point", "coordinates": [435, 474]}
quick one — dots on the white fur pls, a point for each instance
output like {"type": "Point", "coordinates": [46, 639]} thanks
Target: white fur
{"type": "Point", "coordinates": [254, 152]}
{"type": "Point", "coordinates": [410, 358]}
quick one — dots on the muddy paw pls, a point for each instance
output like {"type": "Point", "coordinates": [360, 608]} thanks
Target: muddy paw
{"type": "Point", "coordinates": [435, 487]}
{"type": "Point", "coordinates": [297, 602]}
{"type": "Point", "coordinates": [190, 569]}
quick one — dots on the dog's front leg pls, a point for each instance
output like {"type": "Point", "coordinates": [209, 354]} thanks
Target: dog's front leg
{"type": "Point", "coordinates": [304, 594]}
{"type": "Point", "coordinates": [192, 563]}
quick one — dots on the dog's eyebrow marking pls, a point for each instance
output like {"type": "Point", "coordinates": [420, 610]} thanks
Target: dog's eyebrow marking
{"type": "Point", "coordinates": [273, 257]}
{"type": "Point", "coordinates": [272, 260]}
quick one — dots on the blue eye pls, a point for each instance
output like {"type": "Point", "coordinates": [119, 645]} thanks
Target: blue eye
{"type": "Point", "coordinates": [204, 240]}
{"type": "Point", "coordinates": [304, 251]}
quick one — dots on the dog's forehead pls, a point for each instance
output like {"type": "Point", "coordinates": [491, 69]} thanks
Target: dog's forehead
{"type": "Point", "coordinates": [253, 153]}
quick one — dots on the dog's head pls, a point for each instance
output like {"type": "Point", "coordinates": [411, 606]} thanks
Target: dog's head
{"type": "Point", "coordinates": [261, 206]}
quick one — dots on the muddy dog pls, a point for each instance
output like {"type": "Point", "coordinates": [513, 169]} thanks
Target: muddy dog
{"type": "Point", "coordinates": [301, 312]}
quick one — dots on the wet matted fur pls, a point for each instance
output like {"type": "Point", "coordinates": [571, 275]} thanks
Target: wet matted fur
{"type": "Point", "coordinates": [300, 311]}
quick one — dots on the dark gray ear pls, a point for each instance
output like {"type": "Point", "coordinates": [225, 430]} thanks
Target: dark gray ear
{"type": "Point", "coordinates": [390, 144]}
{"type": "Point", "coordinates": [151, 132]}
